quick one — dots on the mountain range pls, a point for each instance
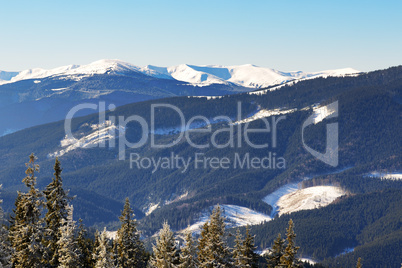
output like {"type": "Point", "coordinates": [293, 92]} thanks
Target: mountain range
{"type": "Point", "coordinates": [337, 210]}
{"type": "Point", "coordinates": [248, 75]}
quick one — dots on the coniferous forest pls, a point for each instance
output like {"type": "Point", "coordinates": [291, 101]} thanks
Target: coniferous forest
{"type": "Point", "coordinates": [41, 232]}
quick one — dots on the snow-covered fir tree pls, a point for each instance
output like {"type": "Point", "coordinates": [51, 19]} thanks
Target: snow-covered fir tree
{"type": "Point", "coordinates": [188, 255]}
{"type": "Point", "coordinates": [213, 251]}
{"type": "Point", "coordinates": [130, 249]}
{"type": "Point", "coordinates": [165, 251]}
{"type": "Point", "coordinates": [237, 251]}
{"type": "Point", "coordinates": [276, 252]}
{"type": "Point", "coordinates": [56, 204]}
{"type": "Point", "coordinates": [26, 232]}
{"type": "Point", "coordinates": [68, 251]}
{"type": "Point", "coordinates": [289, 259]}
{"type": "Point", "coordinates": [102, 255]}
{"type": "Point", "coordinates": [250, 258]}
{"type": "Point", "coordinates": [5, 247]}
{"type": "Point", "coordinates": [85, 246]}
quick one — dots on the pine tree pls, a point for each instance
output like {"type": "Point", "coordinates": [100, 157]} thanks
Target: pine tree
{"type": "Point", "coordinates": [277, 251]}
{"type": "Point", "coordinates": [289, 259]}
{"type": "Point", "coordinates": [69, 255]}
{"type": "Point", "coordinates": [5, 247]}
{"type": "Point", "coordinates": [165, 252]}
{"type": "Point", "coordinates": [85, 247]}
{"type": "Point", "coordinates": [26, 232]}
{"type": "Point", "coordinates": [188, 258]}
{"type": "Point", "coordinates": [56, 204]}
{"type": "Point", "coordinates": [359, 263]}
{"type": "Point", "coordinates": [248, 250]}
{"type": "Point", "coordinates": [102, 255]}
{"type": "Point", "coordinates": [237, 251]}
{"type": "Point", "coordinates": [130, 249]}
{"type": "Point", "coordinates": [213, 251]}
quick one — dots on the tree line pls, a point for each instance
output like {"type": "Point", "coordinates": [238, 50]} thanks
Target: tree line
{"type": "Point", "coordinates": [55, 240]}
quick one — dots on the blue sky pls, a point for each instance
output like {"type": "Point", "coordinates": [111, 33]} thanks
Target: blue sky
{"type": "Point", "coordinates": [283, 34]}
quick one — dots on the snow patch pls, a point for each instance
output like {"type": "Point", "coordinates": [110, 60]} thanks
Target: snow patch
{"type": "Point", "coordinates": [151, 208]}
{"type": "Point", "coordinates": [262, 114]}
{"type": "Point", "coordinates": [235, 216]}
{"type": "Point", "coordinates": [385, 175]}
{"type": "Point", "coordinates": [99, 135]}
{"type": "Point", "coordinates": [273, 198]}
{"type": "Point", "coordinates": [308, 260]}
{"type": "Point", "coordinates": [321, 112]}
{"type": "Point", "coordinates": [308, 198]}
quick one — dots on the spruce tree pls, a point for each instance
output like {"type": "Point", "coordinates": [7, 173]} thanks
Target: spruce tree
{"type": "Point", "coordinates": [69, 255]}
{"type": "Point", "coordinates": [289, 259]}
{"type": "Point", "coordinates": [237, 251]}
{"type": "Point", "coordinates": [85, 247]}
{"type": "Point", "coordinates": [203, 249]}
{"type": "Point", "coordinates": [165, 251]}
{"type": "Point", "coordinates": [26, 232]}
{"type": "Point", "coordinates": [250, 258]}
{"type": "Point", "coordinates": [276, 253]}
{"type": "Point", "coordinates": [130, 249]}
{"type": "Point", "coordinates": [188, 258]}
{"type": "Point", "coordinates": [102, 255]}
{"type": "Point", "coordinates": [5, 247]}
{"type": "Point", "coordinates": [56, 204]}
{"type": "Point", "coordinates": [213, 251]}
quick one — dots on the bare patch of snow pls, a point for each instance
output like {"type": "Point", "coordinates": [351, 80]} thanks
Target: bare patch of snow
{"type": "Point", "coordinates": [322, 112]}
{"type": "Point", "coordinates": [151, 208]}
{"type": "Point", "coordinates": [99, 135]}
{"type": "Point", "coordinates": [235, 216]}
{"type": "Point", "coordinates": [262, 114]}
{"type": "Point", "coordinates": [308, 198]}
{"type": "Point", "coordinates": [386, 175]}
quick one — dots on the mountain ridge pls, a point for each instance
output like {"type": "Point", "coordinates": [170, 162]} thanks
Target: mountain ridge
{"type": "Point", "coordinates": [247, 75]}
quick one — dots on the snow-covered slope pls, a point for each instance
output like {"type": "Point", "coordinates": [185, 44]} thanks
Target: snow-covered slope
{"type": "Point", "coordinates": [247, 75]}
{"type": "Point", "coordinates": [235, 216]}
{"type": "Point", "coordinates": [78, 71]}
{"type": "Point", "coordinates": [308, 198]}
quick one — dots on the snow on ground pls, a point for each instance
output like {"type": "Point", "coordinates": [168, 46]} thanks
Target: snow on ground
{"type": "Point", "coordinates": [99, 135]}
{"type": "Point", "coordinates": [308, 198]}
{"type": "Point", "coordinates": [262, 114]}
{"type": "Point", "coordinates": [151, 208]}
{"type": "Point", "coordinates": [273, 198]}
{"type": "Point", "coordinates": [308, 260]}
{"type": "Point", "coordinates": [177, 198]}
{"type": "Point", "coordinates": [247, 75]}
{"type": "Point", "coordinates": [321, 112]}
{"type": "Point", "coordinates": [235, 216]}
{"type": "Point", "coordinates": [324, 74]}
{"type": "Point", "coordinates": [386, 175]}
{"type": "Point", "coordinates": [345, 251]}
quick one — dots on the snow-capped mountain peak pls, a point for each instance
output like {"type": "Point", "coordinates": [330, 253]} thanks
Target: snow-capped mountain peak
{"type": "Point", "coordinates": [247, 75]}
{"type": "Point", "coordinates": [97, 67]}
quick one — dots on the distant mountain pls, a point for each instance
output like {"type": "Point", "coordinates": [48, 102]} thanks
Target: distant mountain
{"type": "Point", "coordinates": [37, 96]}
{"type": "Point", "coordinates": [247, 75]}
{"type": "Point", "coordinates": [369, 141]}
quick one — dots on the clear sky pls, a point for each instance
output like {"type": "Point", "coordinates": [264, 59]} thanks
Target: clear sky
{"type": "Point", "coordinates": [283, 34]}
